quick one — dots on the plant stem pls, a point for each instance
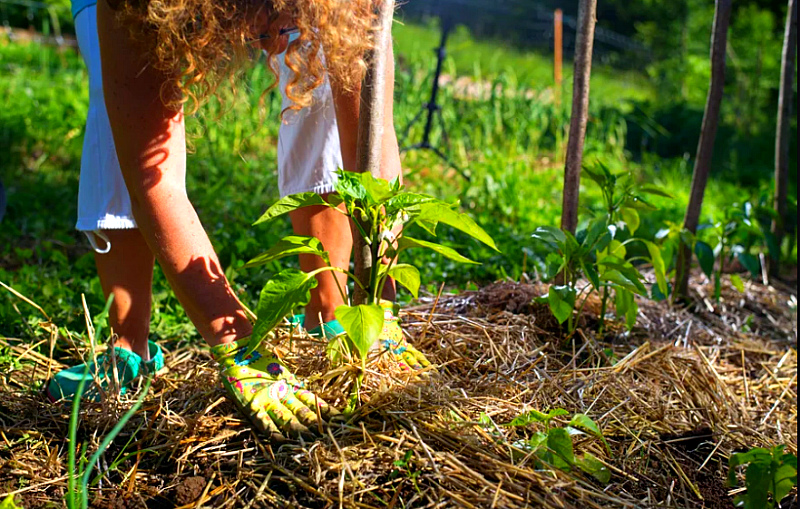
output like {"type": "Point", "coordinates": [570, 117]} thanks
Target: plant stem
{"type": "Point", "coordinates": [603, 310]}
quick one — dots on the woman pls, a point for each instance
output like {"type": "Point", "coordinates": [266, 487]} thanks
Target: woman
{"type": "Point", "coordinates": [156, 56]}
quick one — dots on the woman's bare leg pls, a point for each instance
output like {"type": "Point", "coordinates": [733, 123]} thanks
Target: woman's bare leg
{"type": "Point", "coordinates": [127, 272]}
{"type": "Point", "coordinates": [151, 147]}
{"type": "Point", "coordinates": [333, 230]}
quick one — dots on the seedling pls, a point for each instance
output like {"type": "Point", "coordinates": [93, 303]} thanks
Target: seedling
{"type": "Point", "coordinates": [382, 212]}
{"type": "Point", "coordinates": [553, 447]}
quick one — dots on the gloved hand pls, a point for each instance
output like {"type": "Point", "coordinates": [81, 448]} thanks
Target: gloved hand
{"type": "Point", "coordinates": [264, 389]}
{"type": "Point", "coordinates": [394, 343]}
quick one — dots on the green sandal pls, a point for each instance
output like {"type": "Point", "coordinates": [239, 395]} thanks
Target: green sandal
{"type": "Point", "coordinates": [100, 375]}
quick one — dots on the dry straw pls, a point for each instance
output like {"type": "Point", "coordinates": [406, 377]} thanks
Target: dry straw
{"type": "Point", "coordinates": [674, 399]}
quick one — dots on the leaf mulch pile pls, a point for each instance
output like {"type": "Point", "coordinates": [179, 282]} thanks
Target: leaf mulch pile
{"type": "Point", "coordinates": [674, 397]}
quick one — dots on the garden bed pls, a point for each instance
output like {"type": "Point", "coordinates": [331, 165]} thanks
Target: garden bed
{"type": "Point", "coordinates": [675, 397]}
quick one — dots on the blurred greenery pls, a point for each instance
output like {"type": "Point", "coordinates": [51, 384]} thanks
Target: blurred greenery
{"type": "Point", "coordinates": [509, 135]}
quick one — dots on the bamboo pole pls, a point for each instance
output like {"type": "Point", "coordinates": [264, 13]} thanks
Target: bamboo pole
{"type": "Point", "coordinates": [783, 134]}
{"type": "Point", "coordinates": [705, 147]}
{"type": "Point", "coordinates": [584, 46]}
{"type": "Point", "coordinates": [370, 131]}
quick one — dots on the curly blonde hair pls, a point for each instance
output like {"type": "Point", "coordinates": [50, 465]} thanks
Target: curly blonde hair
{"type": "Point", "coordinates": [201, 43]}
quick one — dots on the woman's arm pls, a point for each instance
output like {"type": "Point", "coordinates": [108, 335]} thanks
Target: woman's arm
{"type": "Point", "coordinates": [151, 147]}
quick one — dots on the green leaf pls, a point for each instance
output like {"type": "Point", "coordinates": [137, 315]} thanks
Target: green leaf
{"type": "Point", "coordinates": [350, 186]}
{"type": "Point", "coordinates": [594, 467]}
{"type": "Point", "coordinates": [363, 325]}
{"type": "Point", "coordinates": [587, 425]}
{"type": "Point", "coordinates": [406, 201]}
{"type": "Point", "coordinates": [292, 203]}
{"type": "Point", "coordinates": [627, 307]}
{"type": "Point", "coordinates": [597, 178]}
{"type": "Point", "coordinates": [442, 213]}
{"type": "Point", "coordinates": [290, 246]}
{"type": "Point", "coordinates": [378, 190]}
{"type": "Point", "coordinates": [785, 479]}
{"type": "Point", "coordinates": [9, 503]}
{"type": "Point", "coordinates": [737, 283]}
{"type": "Point", "coordinates": [596, 229]}
{"type": "Point", "coordinates": [283, 293]}
{"type": "Point", "coordinates": [659, 266]}
{"type": "Point", "coordinates": [551, 235]}
{"type": "Point", "coordinates": [624, 281]}
{"type": "Point", "coordinates": [750, 262]}
{"type": "Point", "coordinates": [407, 276]}
{"type": "Point", "coordinates": [655, 191]}
{"type": "Point", "coordinates": [559, 442]}
{"type": "Point", "coordinates": [758, 478]}
{"type": "Point", "coordinates": [533, 416]}
{"type": "Point", "coordinates": [562, 302]}
{"type": "Point", "coordinates": [538, 442]}
{"type": "Point", "coordinates": [591, 275]}
{"type": "Point", "coordinates": [705, 255]}
{"type": "Point", "coordinates": [406, 243]}
{"type": "Point", "coordinates": [554, 264]}
{"type": "Point", "coordinates": [632, 219]}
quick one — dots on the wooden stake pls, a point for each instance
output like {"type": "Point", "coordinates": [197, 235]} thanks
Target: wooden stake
{"type": "Point", "coordinates": [705, 148]}
{"type": "Point", "coordinates": [584, 46]}
{"type": "Point", "coordinates": [558, 55]}
{"type": "Point", "coordinates": [782, 136]}
{"type": "Point", "coordinates": [370, 131]}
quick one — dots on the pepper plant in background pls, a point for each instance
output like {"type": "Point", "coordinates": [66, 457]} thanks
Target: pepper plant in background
{"type": "Point", "coordinates": [742, 234]}
{"type": "Point", "coordinates": [599, 253]}
{"type": "Point", "coordinates": [770, 476]}
{"type": "Point", "coordinates": [382, 212]}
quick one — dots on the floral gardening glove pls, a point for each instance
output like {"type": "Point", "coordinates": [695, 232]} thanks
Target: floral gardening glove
{"type": "Point", "coordinates": [275, 401]}
{"type": "Point", "coordinates": [395, 345]}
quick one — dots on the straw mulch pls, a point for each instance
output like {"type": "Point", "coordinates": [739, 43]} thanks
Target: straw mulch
{"type": "Point", "coordinates": [674, 398]}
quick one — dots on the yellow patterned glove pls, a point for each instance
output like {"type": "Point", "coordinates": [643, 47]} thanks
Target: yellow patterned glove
{"type": "Point", "coordinates": [264, 389]}
{"type": "Point", "coordinates": [394, 343]}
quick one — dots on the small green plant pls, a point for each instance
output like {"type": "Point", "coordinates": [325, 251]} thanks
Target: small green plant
{"type": "Point", "coordinates": [553, 445]}
{"type": "Point", "coordinates": [382, 212]}
{"type": "Point", "coordinates": [403, 469]}
{"type": "Point", "coordinates": [742, 234]}
{"type": "Point", "coordinates": [597, 253]}
{"type": "Point", "coordinates": [80, 470]}
{"type": "Point", "coordinates": [770, 476]}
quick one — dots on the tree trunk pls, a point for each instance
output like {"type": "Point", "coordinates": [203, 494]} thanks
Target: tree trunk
{"type": "Point", "coordinates": [370, 130]}
{"type": "Point", "coordinates": [705, 148]}
{"type": "Point", "coordinates": [783, 133]}
{"type": "Point", "coordinates": [587, 18]}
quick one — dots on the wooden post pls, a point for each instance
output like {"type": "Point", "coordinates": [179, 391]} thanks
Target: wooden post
{"type": "Point", "coordinates": [584, 46]}
{"type": "Point", "coordinates": [782, 137]}
{"type": "Point", "coordinates": [558, 54]}
{"type": "Point", "coordinates": [370, 131]}
{"type": "Point", "coordinates": [705, 147]}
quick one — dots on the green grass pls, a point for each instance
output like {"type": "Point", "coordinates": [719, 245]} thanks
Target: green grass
{"type": "Point", "coordinates": [489, 60]}
{"type": "Point", "coordinates": [509, 144]}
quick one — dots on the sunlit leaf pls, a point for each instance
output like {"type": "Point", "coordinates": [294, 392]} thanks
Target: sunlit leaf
{"type": "Point", "coordinates": [283, 293]}
{"type": "Point", "coordinates": [363, 325]}
{"type": "Point", "coordinates": [406, 243]}
{"type": "Point", "coordinates": [408, 276]}
{"type": "Point", "coordinates": [292, 203]}
{"type": "Point", "coordinates": [290, 246]}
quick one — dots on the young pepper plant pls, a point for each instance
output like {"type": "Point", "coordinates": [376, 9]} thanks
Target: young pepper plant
{"type": "Point", "coordinates": [382, 212]}
{"type": "Point", "coordinates": [597, 253]}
